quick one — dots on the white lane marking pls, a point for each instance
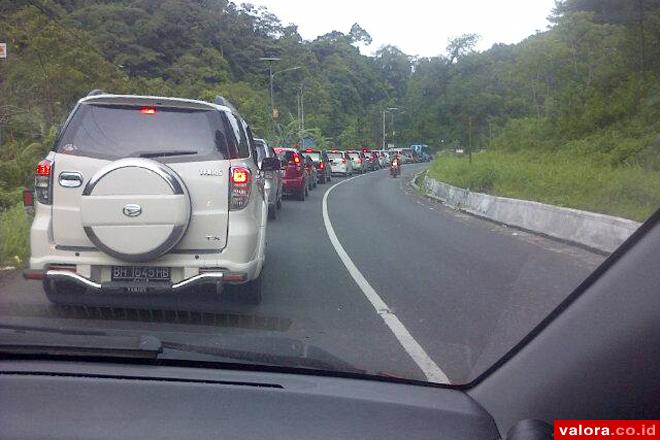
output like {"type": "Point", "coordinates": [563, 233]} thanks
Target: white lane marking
{"type": "Point", "coordinates": [409, 344]}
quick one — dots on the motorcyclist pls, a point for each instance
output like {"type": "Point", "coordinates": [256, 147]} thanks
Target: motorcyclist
{"type": "Point", "coordinates": [396, 158]}
{"type": "Point", "coordinates": [395, 164]}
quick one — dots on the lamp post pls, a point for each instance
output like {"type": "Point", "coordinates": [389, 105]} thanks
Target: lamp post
{"type": "Point", "coordinates": [388, 109]}
{"type": "Point", "coordinates": [270, 79]}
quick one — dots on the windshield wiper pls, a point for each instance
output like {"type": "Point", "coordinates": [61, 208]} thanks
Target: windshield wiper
{"type": "Point", "coordinates": [167, 153]}
{"type": "Point", "coordinates": [280, 352]}
{"type": "Point", "coordinates": [44, 343]}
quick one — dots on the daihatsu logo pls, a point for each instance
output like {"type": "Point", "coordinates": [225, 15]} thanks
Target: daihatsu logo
{"type": "Point", "coordinates": [132, 210]}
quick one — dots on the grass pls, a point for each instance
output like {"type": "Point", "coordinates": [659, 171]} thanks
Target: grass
{"type": "Point", "coordinates": [558, 179]}
{"type": "Point", "coordinates": [14, 236]}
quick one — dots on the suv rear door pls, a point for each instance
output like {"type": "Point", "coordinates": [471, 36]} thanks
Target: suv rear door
{"type": "Point", "coordinates": [192, 139]}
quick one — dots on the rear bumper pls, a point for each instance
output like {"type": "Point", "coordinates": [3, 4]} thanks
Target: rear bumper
{"type": "Point", "coordinates": [214, 278]}
{"type": "Point", "coordinates": [293, 185]}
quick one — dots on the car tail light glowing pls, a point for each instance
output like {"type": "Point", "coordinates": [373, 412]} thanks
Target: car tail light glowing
{"type": "Point", "coordinates": [148, 111]}
{"type": "Point", "coordinates": [43, 179]}
{"type": "Point", "coordinates": [343, 160]}
{"type": "Point", "coordinates": [44, 168]}
{"type": "Point", "coordinates": [296, 159]}
{"type": "Point", "coordinates": [321, 165]}
{"type": "Point", "coordinates": [240, 175]}
{"type": "Point", "coordinates": [240, 187]}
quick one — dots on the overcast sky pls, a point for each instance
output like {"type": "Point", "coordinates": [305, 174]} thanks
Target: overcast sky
{"type": "Point", "coordinates": [418, 27]}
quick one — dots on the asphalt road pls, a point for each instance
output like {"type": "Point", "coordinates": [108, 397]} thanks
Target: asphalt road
{"type": "Point", "coordinates": [457, 289]}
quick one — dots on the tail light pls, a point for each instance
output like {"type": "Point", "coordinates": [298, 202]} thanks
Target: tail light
{"type": "Point", "coordinates": [359, 160]}
{"type": "Point", "coordinates": [296, 159]}
{"type": "Point", "coordinates": [343, 160]}
{"type": "Point", "coordinates": [321, 165]}
{"type": "Point", "coordinates": [43, 179]}
{"type": "Point", "coordinates": [240, 187]}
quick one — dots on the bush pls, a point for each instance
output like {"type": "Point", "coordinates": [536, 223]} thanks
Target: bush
{"type": "Point", "coordinates": [14, 236]}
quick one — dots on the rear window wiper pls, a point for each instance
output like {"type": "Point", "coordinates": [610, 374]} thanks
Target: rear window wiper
{"type": "Point", "coordinates": [44, 343]}
{"type": "Point", "coordinates": [167, 153]}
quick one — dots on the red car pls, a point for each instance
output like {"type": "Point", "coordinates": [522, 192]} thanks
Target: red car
{"type": "Point", "coordinates": [296, 179]}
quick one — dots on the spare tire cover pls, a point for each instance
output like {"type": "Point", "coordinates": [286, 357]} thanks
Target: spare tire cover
{"type": "Point", "coordinates": [135, 209]}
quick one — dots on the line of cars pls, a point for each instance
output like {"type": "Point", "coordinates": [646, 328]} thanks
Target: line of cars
{"type": "Point", "coordinates": [350, 162]}
{"type": "Point", "coordinates": [303, 169]}
{"type": "Point", "coordinates": [300, 172]}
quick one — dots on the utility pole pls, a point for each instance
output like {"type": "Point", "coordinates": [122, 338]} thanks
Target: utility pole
{"type": "Point", "coordinates": [270, 80]}
{"type": "Point", "coordinates": [302, 107]}
{"type": "Point", "coordinates": [298, 110]}
{"type": "Point", "coordinates": [3, 56]}
{"type": "Point", "coordinates": [271, 77]}
{"type": "Point", "coordinates": [490, 133]}
{"type": "Point", "coordinates": [388, 109]}
{"type": "Point", "coordinates": [470, 139]}
{"type": "Point", "coordinates": [384, 129]}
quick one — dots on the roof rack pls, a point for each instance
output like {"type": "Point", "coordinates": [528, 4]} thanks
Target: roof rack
{"type": "Point", "coordinates": [96, 92]}
{"type": "Point", "coordinates": [221, 100]}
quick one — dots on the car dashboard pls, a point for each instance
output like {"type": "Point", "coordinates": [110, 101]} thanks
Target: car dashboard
{"type": "Point", "coordinates": [103, 400]}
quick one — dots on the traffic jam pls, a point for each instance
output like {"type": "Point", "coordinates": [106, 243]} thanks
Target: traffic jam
{"type": "Point", "coordinates": [303, 169]}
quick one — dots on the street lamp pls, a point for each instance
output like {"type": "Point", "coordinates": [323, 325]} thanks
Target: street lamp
{"type": "Point", "coordinates": [271, 76]}
{"type": "Point", "coordinates": [388, 109]}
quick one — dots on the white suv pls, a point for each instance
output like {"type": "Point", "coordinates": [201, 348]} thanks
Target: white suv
{"type": "Point", "coordinates": [144, 193]}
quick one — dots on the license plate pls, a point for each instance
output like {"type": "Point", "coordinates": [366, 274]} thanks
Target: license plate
{"type": "Point", "coordinates": [140, 273]}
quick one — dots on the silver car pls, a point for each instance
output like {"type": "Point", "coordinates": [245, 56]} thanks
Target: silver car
{"type": "Point", "coordinates": [149, 194]}
{"type": "Point", "coordinates": [358, 161]}
{"type": "Point", "coordinates": [340, 163]}
{"type": "Point", "coordinates": [383, 160]}
{"type": "Point", "coordinates": [273, 183]}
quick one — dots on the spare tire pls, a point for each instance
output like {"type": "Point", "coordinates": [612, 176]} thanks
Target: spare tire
{"type": "Point", "coordinates": [135, 209]}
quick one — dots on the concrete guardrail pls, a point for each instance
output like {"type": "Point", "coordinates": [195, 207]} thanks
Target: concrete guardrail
{"type": "Point", "coordinates": [596, 231]}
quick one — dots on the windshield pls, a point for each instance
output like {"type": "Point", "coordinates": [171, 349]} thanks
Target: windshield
{"type": "Point", "coordinates": [527, 152]}
{"type": "Point", "coordinates": [111, 132]}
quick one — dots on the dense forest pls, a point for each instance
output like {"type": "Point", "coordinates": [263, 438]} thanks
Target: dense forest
{"type": "Point", "coordinates": [585, 89]}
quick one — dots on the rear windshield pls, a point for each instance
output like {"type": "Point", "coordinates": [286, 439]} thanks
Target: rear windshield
{"type": "Point", "coordinates": [354, 154]}
{"type": "Point", "coordinates": [335, 155]}
{"type": "Point", "coordinates": [285, 155]}
{"type": "Point", "coordinates": [117, 131]}
{"type": "Point", "coordinates": [315, 156]}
